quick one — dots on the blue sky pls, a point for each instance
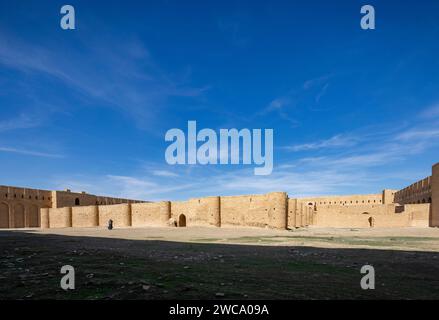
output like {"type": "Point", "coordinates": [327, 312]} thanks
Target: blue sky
{"type": "Point", "coordinates": [353, 111]}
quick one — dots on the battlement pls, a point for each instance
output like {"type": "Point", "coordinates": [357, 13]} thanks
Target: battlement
{"type": "Point", "coordinates": [418, 192]}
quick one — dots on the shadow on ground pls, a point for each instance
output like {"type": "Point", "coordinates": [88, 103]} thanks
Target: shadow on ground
{"type": "Point", "coordinates": [109, 268]}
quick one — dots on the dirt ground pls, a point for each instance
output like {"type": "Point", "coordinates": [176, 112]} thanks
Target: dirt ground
{"type": "Point", "coordinates": [219, 263]}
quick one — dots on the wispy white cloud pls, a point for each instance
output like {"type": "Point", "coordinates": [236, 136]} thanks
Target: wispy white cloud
{"type": "Point", "coordinates": [143, 188]}
{"type": "Point", "coordinates": [30, 152]}
{"type": "Point", "coordinates": [319, 81]}
{"type": "Point", "coordinates": [336, 141]}
{"type": "Point", "coordinates": [419, 134]}
{"type": "Point", "coordinates": [311, 91]}
{"type": "Point", "coordinates": [322, 92]}
{"type": "Point", "coordinates": [431, 112]}
{"type": "Point", "coordinates": [353, 169]}
{"type": "Point", "coordinates": [124, 77]}
{"type": "Point", "coordinates": [23, 121]}
{"type": "Point", "coordinates": [164, 173]}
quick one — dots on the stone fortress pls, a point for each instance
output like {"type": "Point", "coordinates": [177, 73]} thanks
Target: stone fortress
{"type": "Point", "coordinates": [21, 207]}
{"type": "Point", "coordinates": [414, 206]}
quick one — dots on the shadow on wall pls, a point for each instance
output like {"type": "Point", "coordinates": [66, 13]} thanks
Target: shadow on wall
{"type": "Point", "coordinates": [18, 215]}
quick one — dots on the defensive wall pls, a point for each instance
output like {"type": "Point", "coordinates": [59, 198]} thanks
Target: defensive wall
{"type": "Point", "coordinates": [418, 192]}
{"type": "Point", "coordinates": [272, 210]}
{"type": "Point", "coordinates": [20, 207]}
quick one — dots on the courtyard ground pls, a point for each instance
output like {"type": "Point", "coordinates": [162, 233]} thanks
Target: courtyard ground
{"type": "Point", "coordinates": [219, 263]}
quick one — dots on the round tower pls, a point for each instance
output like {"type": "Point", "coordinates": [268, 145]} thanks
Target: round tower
{"type": "Point", "coordinates": [278, 209]}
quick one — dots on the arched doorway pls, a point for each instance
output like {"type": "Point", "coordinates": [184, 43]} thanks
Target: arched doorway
{"type": "Point", "coordinates": [32, 217]}
{"type": "Point", "coordinates": [18, 216]}
{"type": "Point", "coordinates": [182, 220]}
{"type": "Point", "coordinates": [77, 202]}
{"type": "Point", "coordinates": [4, 215]}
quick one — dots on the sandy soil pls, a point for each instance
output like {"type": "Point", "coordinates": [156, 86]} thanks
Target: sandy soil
{"type": "Point", "coordinates": [420, 239]}
{"type": "Point", "coordinates": [219, 263]}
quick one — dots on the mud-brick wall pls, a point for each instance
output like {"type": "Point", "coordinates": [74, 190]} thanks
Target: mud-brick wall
{"type": "Point", "coordinates": [198, 211]}
{"type": "Point", "coordinates": [44, 218]}
{"type": "Point", "coordinates": [245, 210]}
{"type": "Point", "coordinates": [291, 214]}
{"type": "Point", "coordinates": [434, 221]}
{"type": "Point", "coordinates": [367, 216]}
{"type": "Point", "coordinates": [60, 217]}
{"type": "Point", "coordinates": [299, 214]}
{"type": "Point", "coordinates": [179, 208]}
{"type": "Point", "coordinates": [119, 213]}
{"type": "Point", "coordinates": [86, 216]}
{"type": "Point", "coordinates": [277, 213]}
{"type": "Point", "coordinates": [150, 214]}
{"type": "Point", "coordinates": [419, 214]}
{"type": "Point", "coordinates": [255, 210]}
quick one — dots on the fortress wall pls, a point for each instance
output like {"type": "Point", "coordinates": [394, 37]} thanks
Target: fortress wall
{"type": "Point", "coordinates": [204, 211]}
{"type": "Point", "coordinates": [179, 208]}
{"type": "Point", "coordinates": [362, 209]}
{"type": "Point", "coordinates": [277, 213]}
{"type": "Point", "coordinates": [150, 214]}
{"type": "Point", "coordinates": [60, 217]}
{"type": "Point", "coordinates": [44, 218]}
{"type": "Point", "coordinates": [298, 214]}
{"type": "Point", "coordinates": [310, 215]}
{"type": "Point", "coordinates": [392, 221]}
{"type": "Point", "coordinates": [197, 211]}
{"type": "Point", "coordinates": [416, 215]}
{"type": "Point", "coordinates": [304, 214]}
{"type": "Point", "coordinates": [85, 216]}
{"type": "Point", "coordinates": [434, 219]}
{"type": "Point", "coordinates": [389, 196]}
{"type": "Point", "coordinates": [214, 211]}
{"type": "Point", "coordinates": [20, 207]}
{"type": "Point", "coordinates": [273, 210]}
{"type": "Point", "coordinates": [119, 213]}
{"type": "Point", "coordinates": [419, 214]}
{"type": "Point", "coordinates": [349, 200]}
{"type": "Point", "coordinates": [26, 196]}
{"type": "Point", "coordinates": [303, 207]}
{"type": "Point", "coordinates": [340, 218]}
{"type": "Point", "coordinates": [291, 215]}
{"type": "Point", "coordinates": [255, 210]}
{"type": "Point", "coordinates": [72, 199]}
{"type": "Point", "coordinates": [418, 192]}
{"type": "Point", "coordinates": [249, 210]}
